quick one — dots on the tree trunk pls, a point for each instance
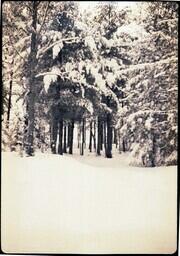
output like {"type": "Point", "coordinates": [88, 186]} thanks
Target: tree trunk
{"type": "Point", "coordinates": [115, 137]}
{"type": "Point", "coordinates": [105, 136]}
{"type": "Point", "coordinates": [82, 138]}
{"type": "Point", "coordinates": [84, 133]}
{"type": "Point", "coordinates": [122, 96]}
{"type": "Point", "coordinates": [119, 140]}
{"type": "Point", "coordinates": [50, 137]}
{"type": "Point", "coordinates": [153, 153]}
{"type": "Point", "coordinates": [102, 135]}
{"type": "Point", "coordinates": [32, 81]}
{"type": "Point", "coordinates": [90, 137]}
{"type": "Point", "coordinates": [99, 143]}
{"type": "Point", "coordinates": [60, 146]}
{"type": "Point", "coordinates": [10, 98]}
{"type": "Point", "coordinates": [109, 137]}
{"type": "Point", "coordinates": [54, 131]}
{"type": "Point", "coordinates": [123, 140]}
{"type": "Point", "coordinates": [94, 137]}
{"type": "Point", "coordinates": [78, 136]}
{"type": "Point", "coordinates": [65, 148]}
{"type": "Point", "coordinates": [123, 145]}
{"type": "Point", "coordinates": [71, 137]}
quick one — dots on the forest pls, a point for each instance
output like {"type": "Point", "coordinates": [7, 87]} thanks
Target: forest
{"type": "Point", "coordinates": [102, 80]}
{"type": "Point", "coordinates": [89, 127]}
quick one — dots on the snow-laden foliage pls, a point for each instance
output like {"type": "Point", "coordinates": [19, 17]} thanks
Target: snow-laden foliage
{"type": "Point", "coordinates": [133, 30]}
{"type": "Point", "coordinates": [12, 136]}
{"type": "Point", "coordinates": [114, 67]}
{"type": "Point", "coordinates": [150, 97]}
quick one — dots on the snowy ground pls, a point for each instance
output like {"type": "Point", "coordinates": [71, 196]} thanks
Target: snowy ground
{"type": "Point", "coordinates": [74, 204]}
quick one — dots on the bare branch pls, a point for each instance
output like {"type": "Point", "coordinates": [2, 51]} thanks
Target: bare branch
{"type": "Point", "coordinates": [21, 96]}
{"type": "Point", "coordinates": [5, 44]}
{"type": "Point", "coordinates": [44, 17]}
{"type": "Point", "coordinates": [17, 51]}
{"type": "Point", "coordinates": [28, 7]}
{"type": "Point", "coordinates": [37, 3]}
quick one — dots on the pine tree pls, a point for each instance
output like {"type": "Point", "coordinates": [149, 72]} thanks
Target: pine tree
{"type": "Point", "coordinates": [150, 95]}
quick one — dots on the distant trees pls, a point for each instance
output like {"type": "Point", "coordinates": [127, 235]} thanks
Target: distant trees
{"type": "Point", "coordinates": [8, 60]}
{"type": "Point", "coordinates": [11, 74]}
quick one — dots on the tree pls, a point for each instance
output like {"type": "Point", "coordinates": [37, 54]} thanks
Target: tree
{"type": "Point", "coordinates": [13, 90]}
{"type": "Point", "coordinates": [32, 62]}
{"type": "Point", "coordinates": [150, 94]}
{"type": "Point", "coordinates": [22, 31]}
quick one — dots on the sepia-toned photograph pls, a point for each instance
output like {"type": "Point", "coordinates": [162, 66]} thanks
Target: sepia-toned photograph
{"type": "Point", "coordinates": [89, 127]}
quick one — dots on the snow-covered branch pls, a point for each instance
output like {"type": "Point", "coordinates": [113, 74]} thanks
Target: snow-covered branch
{"type": "Point", "coordinates": [45, 49]}
{"type": "Point", "coordinates": [167, 20]}
{"type": "Point", "coordinates": [52, 74]}
{"type": "Point", "coordinates": [148, 65]}
{"type": "Point", "coordinates": [160, 33]}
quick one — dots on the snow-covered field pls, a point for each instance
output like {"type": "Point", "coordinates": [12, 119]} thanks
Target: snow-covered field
{"type": "Point", "coordinates": [74, 204]}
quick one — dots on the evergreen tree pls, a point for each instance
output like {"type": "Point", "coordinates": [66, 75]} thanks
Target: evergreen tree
{"type": "Point", "coordinates": [151, 95]}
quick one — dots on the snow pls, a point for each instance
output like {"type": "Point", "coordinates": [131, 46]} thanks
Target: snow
{"type": "Point", "coordinates": [90, 43]}
{"type": "Point", "coordinates": [114, 65]}
{"type": "Point", "coordinates": [89, 6]}
{"type": "Point", "coordinates": [110, 79]}
{"type": "Point", "coordinates": [80, 66]}
{"type": "Point", "coordinates": [172, 156]}
{"type": "Point", "coordinates": [133, 30]}
{"type": "Point", "coordinates": [106, 43]}
{"type": "Point", "coordinates": [25, 12]}
{"type": "Point", "coordinates": [147, 65]}
{"type": "Point", "coordinates": [56, 49]}
{"type": "Point", "coordinates": [148, 123]}
{"type": "Point", "coordinates": [68, 66]}
{"type": "Point", "coordinates": [57, 35]}
{"type": "Point", "coordinates": [80, 25]}
{"type": "Point", "coordinates": [48, 79]}
{"type": "Point", "coordinates": [86, 204]}
{"type": "Point", "coordinates": [23, 40]}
